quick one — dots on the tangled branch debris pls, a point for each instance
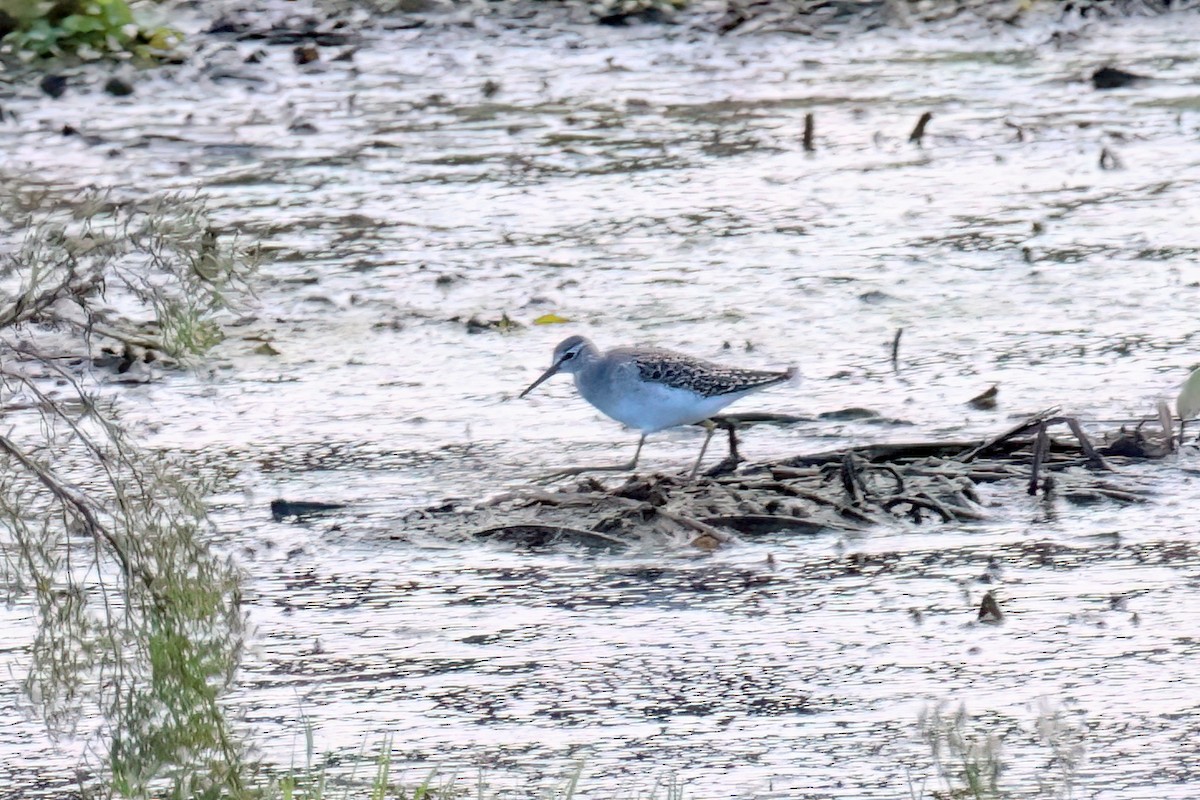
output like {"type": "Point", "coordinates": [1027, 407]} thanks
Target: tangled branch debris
{"type": "Point", "coordinates": [846, 489]}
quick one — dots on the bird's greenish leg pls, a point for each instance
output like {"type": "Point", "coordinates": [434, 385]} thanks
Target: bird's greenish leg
{"type": "Point", "coordinates": [571, 471]}
{"type": "Point", "coordinates": [711, 428]}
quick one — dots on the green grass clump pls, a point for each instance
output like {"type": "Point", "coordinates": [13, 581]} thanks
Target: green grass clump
{"type": "Point", "coordinates": [85, 28]}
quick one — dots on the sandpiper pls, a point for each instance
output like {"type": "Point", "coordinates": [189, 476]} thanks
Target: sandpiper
{"type": "Point", "coordinates": [650, 389]}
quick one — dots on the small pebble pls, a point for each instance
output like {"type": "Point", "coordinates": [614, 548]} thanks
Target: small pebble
{"type": "Point", "coordinates": [306, 54]}
{"type": "Point", "coordinates": [1113, 78]}
{"type": "Point", "coordinates": [54, 85]}
{"type": "Point", "coordinates": [118, 87]}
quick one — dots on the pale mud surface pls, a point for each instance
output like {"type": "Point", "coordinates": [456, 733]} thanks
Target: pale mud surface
{"type": "Point", "coordinates": [653, 188]}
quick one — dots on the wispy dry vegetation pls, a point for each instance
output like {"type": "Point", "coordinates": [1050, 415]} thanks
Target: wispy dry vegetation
{"type": "Point", "coordinates": [139, 625]}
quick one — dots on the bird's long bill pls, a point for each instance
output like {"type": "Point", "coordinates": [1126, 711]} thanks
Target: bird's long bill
{"type": "Point", "coordinates": [548, 373]}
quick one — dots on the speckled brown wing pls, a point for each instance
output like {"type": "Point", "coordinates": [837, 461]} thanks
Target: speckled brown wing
{"type": "Point", "coordinates": [705, 378]}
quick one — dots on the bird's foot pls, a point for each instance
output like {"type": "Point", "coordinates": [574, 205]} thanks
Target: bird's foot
{"type": "Point", "coordinates": [726, 466]}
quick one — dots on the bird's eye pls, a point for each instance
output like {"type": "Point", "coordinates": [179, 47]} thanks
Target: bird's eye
{"type": "Point", "coordinates": [568, 355]}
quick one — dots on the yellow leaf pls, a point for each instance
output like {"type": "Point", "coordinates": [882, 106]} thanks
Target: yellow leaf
{"type": "Point", "coordinates": [550, 319]}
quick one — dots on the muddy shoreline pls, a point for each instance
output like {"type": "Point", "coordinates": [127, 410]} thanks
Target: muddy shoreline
{"type": "Point", "coordinates": [651, 186]}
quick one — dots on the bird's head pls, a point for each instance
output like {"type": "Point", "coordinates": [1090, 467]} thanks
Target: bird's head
{"type": "Point", "coordinates": [570, 356]}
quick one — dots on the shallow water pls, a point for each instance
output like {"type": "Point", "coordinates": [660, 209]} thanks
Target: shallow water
{"type": "Point", "coordinates": [652, 188]}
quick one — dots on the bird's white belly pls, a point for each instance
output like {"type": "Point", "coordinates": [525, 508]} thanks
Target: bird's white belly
{"type": "Point", "coordinates": [651, 407]}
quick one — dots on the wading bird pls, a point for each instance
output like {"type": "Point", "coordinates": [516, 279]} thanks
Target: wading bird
{"type": "Point", "coordinates": [650, 389]}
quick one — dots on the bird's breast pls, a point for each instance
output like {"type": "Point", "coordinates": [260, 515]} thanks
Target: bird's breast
{"type": "Point", "coordinates": [648, 406]}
